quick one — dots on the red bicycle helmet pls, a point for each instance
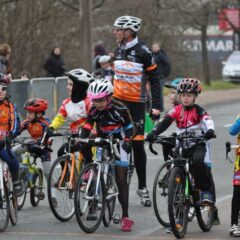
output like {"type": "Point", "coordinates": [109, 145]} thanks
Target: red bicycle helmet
{"type": "Point", "coordinates": [189, 85]}
{"type": "Point", "coordinates": [36, 105]}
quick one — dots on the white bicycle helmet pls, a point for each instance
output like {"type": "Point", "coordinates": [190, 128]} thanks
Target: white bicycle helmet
{"type": "Point", "coordinates": [80, 75]}
{"type": "Point", "coordinates": [125, 22]}
{"type": "Point", "coordinates": [100, 88]}
{"type": "Point", "coordinates": [104, 59]}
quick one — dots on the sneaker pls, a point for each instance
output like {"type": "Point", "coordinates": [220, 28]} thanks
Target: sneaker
{"type": "Point", "coordinates": [86, 175]}
{"type": "Point", "coordinates": [207, 197]}
{"type": "Point", "coordinates": [54, 202]}
{"type": "Point", "coordinates": [92, 215]}
{"type": "Point", "coordinates": [145, 199]}
{"type": "Point", "coordinates": [216, 220]}
{"type": "Point", "coordinates": [126, 224]}
{"type": "Point", "coordinates": [168, 230]}
{"type": "Point", "coordinates": [234, 231]}
{"type": "Point", "coordinates": [17, 188]}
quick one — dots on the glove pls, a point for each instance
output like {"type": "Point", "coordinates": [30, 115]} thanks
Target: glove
{"type": "Point", "coordinates": [154, 117]}
{"type": "Point", "coordinates": [49, 131]}
{"type": "Point", "coordinates": [127, 145]}
{"type": "Point", "coordinates": [35, 149]}
{"type": "Point", "coordinates": [209, 134]}
{"type": "Point", "coordinates": [151, 137]}
{"type": "Point", "coordinates": [76, 146]}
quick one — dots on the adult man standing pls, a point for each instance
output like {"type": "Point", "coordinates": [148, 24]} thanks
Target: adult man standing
{"type": "Point", "coordinates": [133, 62]}
{"type": "Point", "coordinates": [164, 67]}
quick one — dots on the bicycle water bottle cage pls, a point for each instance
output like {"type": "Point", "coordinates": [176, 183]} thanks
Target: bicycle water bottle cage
{"type": "Point", "coordinates": [180, 161]}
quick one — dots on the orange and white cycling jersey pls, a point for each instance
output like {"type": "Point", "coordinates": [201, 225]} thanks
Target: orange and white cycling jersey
{"type": "Point", "coordinates": [133, 64]}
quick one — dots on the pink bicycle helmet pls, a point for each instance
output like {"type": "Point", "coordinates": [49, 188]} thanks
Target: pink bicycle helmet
{"type": "Point", "coordinates": [100, 88]}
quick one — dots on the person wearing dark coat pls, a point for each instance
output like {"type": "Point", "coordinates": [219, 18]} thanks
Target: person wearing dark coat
{"type": "Point", "coordinates": [54, 65]}
{"type": "Point", "coordinates": [164, 67]}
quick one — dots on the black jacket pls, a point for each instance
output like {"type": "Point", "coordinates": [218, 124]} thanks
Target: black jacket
{"type": "Point", "coordinates": [163, 63]}
{"type": "Point", "coordinates": [54, 66]}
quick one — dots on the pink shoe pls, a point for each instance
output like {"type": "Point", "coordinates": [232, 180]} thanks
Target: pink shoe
{"type": "Point", "coordinates": [86, 175]}
{"type": "Point", "coordinates": [126, 224]}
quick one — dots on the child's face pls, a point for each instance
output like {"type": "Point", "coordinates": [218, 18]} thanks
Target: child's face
{"type": "Point", "coordinates": [105, 65]}
{"type": "Point", "coordinates": [30, 115]}
{"type": "Point", "coordinates": [69, 87]}
{"type": "Point", "coordinates": [173, 97]}
{"type": "Point", "coordinates": [187, 99]}
{"type": "Point", "coordinates": [100, 103]}
{"type": "Point", "coordinates": [3, 92]}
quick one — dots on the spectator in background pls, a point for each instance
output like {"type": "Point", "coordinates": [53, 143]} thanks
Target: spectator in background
{"type": "Point", "coordinates": [24, 75]}
{"type": "Point", "coordinates": [105, 71]}
{"type": "Point", "coordinates": [99, 51]}
{"type": "Point", "coordinates": [5, 52]}
{"type": "Point", "coordinates": [164, 68]}
{"type": "Point", "coordinates": [54, 65]}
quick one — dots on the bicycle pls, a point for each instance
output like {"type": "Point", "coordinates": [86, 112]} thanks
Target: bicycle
{"type": "Point", "coordinates": [62, 181]}
{"type": "Point", "coordinates": [160, 185]}
{"type": "Point", "coordinates": [8, 202]}
{"type": "Point", "coordinates": [182, 193]}
{"type": "Point", "coordinates": [96, 189]}
{"type": "Point", "coordinates": [30, 174]}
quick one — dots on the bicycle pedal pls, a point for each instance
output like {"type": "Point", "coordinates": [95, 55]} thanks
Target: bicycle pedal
{"type": "Point", "coordinates": [40, 195]}
{"type": "Point", "coordinates": [116, 219]}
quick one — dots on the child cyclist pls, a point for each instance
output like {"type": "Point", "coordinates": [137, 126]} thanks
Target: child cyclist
{"type": "Point", "coordinates": [190, 117]}
{"type": "Point", "coordinates": [74, 108]}
{"type": "Point", "coordinates": [111, 118]}
{"type": "Point", "coordinates": [9, 128]}
{"type": "Point", "coordinates": [35, 124]}
{"type": "Point", "coordinates": [235, 229]}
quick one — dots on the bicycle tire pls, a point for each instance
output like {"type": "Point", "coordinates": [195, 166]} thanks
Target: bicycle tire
{"type": "Point", "coordinates": [177, 205]}
{"type": "Point", "coordinates": [205, 224]}
{"type": "Point", "coordinates": [21, 200]}
{"type": "Point", "coordinates": [24, 179]}
{"type": "Point", "coordinates": [13, 206]}
{"type": "Point", "coordinates": [86, 200]}
{"type": "Point", "coordinates": [160, 195]}
{"type": "Point", "coordinates": [111, 201]}
{"type": "Point", "coordinates": [37, 181]}
{"type": "Point", "coordinates": [4, 210]}
{"type": "Point", "coordinates": [60, 198]}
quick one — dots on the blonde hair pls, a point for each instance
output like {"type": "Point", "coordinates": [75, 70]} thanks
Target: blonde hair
{"type": "Point", "coordinates": [5, 49]}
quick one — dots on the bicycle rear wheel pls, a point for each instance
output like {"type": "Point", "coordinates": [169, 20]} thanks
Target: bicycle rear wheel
{"type": "Point", "coordinates": [111, 195]}
{"type": "Point", "coordinates": [89, 198]}
{"type": "Point", "coordinates": [160, 194]}
{"type": "Point", "coordinates": [205, 216]}
{"type": "Point", "coordinates": [60, 196]}
{"type": "Point", "coordinates": [4, 209]}
{"type": "Point", "coordinates": [177, 204]}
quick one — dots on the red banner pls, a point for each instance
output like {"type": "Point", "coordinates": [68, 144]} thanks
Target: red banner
{"type": "Point", "coordinates": [227, 15]}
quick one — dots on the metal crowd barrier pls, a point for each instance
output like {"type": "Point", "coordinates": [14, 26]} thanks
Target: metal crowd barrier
{"type": "Point", "coordinates": [51, 89]}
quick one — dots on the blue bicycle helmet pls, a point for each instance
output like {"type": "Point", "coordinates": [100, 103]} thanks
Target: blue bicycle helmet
{"type": "Point", "coordinates": [173, 83]}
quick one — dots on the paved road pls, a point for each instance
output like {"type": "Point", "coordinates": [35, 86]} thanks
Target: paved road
{"type": "Point", "coordinates": [39, 223]}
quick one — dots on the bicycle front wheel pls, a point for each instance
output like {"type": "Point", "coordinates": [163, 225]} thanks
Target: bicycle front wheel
{"type": "Point", "coordinates": [177, 204]}
{"type": "Point", "coordinates": [13, 206]}
{"type": "Point", "coordinates": [89, 198]}
{"type": "Point", "coordinates": [60, 195]}
{"type": "Point", "coordinates": [160, 194]}
{"type": "Point", "coordinates": [4, 209]}
{"type": "Point", "coordinates": [36, 190]}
